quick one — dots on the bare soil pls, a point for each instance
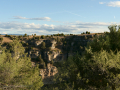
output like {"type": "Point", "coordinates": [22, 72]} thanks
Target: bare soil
{"type": "Point", "coordinates": [5, 39]}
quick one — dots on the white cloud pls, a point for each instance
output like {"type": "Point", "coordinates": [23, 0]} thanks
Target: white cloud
{"type": "Point", "coordinates": [4, 33]}
{"type": "Point", "coordinates": [75, 28]}
{"type": "Point", "coordinates": [114, 4]}
{"type": "Point", "coordinates": [88, 24]}
{"type": "Point", "coordinates": [42, 18]}
{"type": "Point", "coordinates": [101, 2]}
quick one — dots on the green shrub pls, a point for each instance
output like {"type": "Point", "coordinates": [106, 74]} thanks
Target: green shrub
{"type": "Point", "coordinates": [1, 39]}
{"type": "Point", "coordinates": [52, 62]}
{"type": "Point", "coordinates": [43, 37]}
{"type": "Point", "coordinates": [18, 71]}
{"type": "Point", "coordinates": [25, 35]}
{"type": "Point", "coordinates": [37, 37]}
{"type": "Point", "coordinates": [43, 45]}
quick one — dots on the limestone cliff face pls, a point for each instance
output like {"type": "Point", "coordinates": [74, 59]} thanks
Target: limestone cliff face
{"type": "Point", "coordinates": [37, 43]}
{"type": "Point", "coordinates": [53, 42]}
{"type": "Point", "coordinates": [49, 71]}
{"type": "Point", "coordinates": [52, 55]}
{"type": "Point", "coordinates": [56, 55]}
{"type": "Point", "coordinates": [34, 53]}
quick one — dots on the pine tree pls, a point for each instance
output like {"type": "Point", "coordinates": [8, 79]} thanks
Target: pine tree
{"type": "Point", "coordinates": [44, 66]}
{"type": "Point", "coordinates": [43, 37]}
{"type": "Point", "coordinates": [25, 35]}
{"type": "Point", "coordinates": [97, 67]}
{"type": "Point", "coordinates": [18, 71]}
{"type": "Point", "coordinates": [52, 62]}
{"type": "Point", "coordinates": [58, 40]}
{"type": "Point", "coordinates": [38, 38]}
{"type": "Point", "coordinates": [43, 45]}
{"type": "Point", "coordinates": [1, 39]}
{"type": "Point", "coordinates": [40, 59]}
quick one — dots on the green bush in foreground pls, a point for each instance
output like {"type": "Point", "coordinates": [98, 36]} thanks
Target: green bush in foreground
{"type": "Point", "coordinates": [16, 69]}
{"type": "Point", "coordinates": [98, 67]}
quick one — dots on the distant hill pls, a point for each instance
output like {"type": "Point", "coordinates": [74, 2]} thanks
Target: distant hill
{"type": "Point", "coordinates": [12, 34]}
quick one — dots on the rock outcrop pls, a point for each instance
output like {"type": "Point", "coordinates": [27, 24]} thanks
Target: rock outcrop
{"type": "Point", "coordinates": [37, 43]}
{"type": "Point", "coordinates": [52, 55]}
{"type": "Point", "coordinates": [34, 53]}
{"type": "Point", "coordinates": [49, 71]}
{"type": "Point", "coordinates": [53, 42]}
{"type": "Point", "coordinates": [55, 54]}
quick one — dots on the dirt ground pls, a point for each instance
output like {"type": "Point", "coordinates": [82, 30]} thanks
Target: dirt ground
{"type": "Point", "coordinates": [5, 39]}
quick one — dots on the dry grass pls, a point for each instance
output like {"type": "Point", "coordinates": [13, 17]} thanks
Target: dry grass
{"type": "Point", "coordinates": [5, 39]}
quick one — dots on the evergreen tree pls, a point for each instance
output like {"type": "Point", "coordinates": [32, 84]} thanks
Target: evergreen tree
{"type": "Point", "coordinates": [35, 35]}
{"type": "Point", "coordinates": [86, 32]}
{"type": "Point", "coordinates": [43, 37]}
{"type": "Point", "coordinates": [38, 38]}
{"type": "Point", "coordinates": [40, 59]}
{"type": "Point", "coordinates": [1, 39]}
{"type": "Point", "coordinates": [58, 40]}
{"type": "Point", "coordinates": [97, 67]}
{"type": "Point", "coordinates": [52, 62]}
{"type": "Point", "coordinates": [44, 66]}
{"type": "Point", "coordinates": [18, 71]}
{"type": "Point", "coordinates": [43, 45]}
{"type": "Point", "coordinates": [25, 35]}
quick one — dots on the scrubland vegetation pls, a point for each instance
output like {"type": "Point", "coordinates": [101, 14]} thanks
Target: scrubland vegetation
{"type": "Point", "coordinates": [98, 68]}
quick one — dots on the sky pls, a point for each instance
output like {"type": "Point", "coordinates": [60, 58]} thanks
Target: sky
{"type": "Point", "coordinates": [45, 17]}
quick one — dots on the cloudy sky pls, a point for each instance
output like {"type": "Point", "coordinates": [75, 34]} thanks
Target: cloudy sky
{"type": "Point", "coordinates": [43, 17]}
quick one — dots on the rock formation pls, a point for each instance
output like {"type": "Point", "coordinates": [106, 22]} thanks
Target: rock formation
{"type": "Point", "coordinates": [49, 71]}
{"type": "Point", "coordinates": [37, 43]}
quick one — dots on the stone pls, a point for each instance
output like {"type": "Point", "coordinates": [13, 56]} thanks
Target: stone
{"type": "Point", "coordinates": [52, 55]}
{"type": "Point", "coordinates": [37, 43]}
{"type": "Point", "coordinates": [1, 51]}
{"type": "Point", "coordinates": [49, 71]}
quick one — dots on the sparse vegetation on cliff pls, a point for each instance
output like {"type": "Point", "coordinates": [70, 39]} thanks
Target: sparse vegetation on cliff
{"type": "Point", "coordinates": [100, 58]}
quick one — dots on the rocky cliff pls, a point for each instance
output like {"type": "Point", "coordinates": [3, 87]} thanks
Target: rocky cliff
{"type": "Point", "coordinates": [55, 54]}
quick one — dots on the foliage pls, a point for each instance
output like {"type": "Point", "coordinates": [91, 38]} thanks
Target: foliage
{"type": "Point", "coordinates": [86, 32]}
{"type": "Point", "coordinates": [20, 36]}
{"type": "Point", "coordinates": [43, 37]}
{"type": "Point", "coordinates": [34, 34]}
{"type": "Point", "coordinates": [40, 59]}
{"type": "Point", "coordinates": [10, 36]}
{"type": "Point", "coordinates": [1, 39]}
{"type": "Point", "coordinates": [37, 37]}
{"type": "Point", "coordinates": [71, 34]}
{"type": "Point", "coordinates": [108, 41]}
{"type": "Point", "coordinates": [33, 38]}
{"type": "Point", "coordinates": [52, 62]}
{"type": "Point", "coordinates": [58, 40]}
{"type": "Point", "coordinates": [16, 69]}
{"type": "Point", "coordinates": [25, 35]}
{"type": "Point", "coordinates": [44, 65]}
{"type": "Point", "coordinates": [93, 69]}
{"type": "Point", "coordinates": [49, 48]}
{"type": "Point", "coordinates": [99, 65]}
{"type": "Point", "coordinates": [43, 45]}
